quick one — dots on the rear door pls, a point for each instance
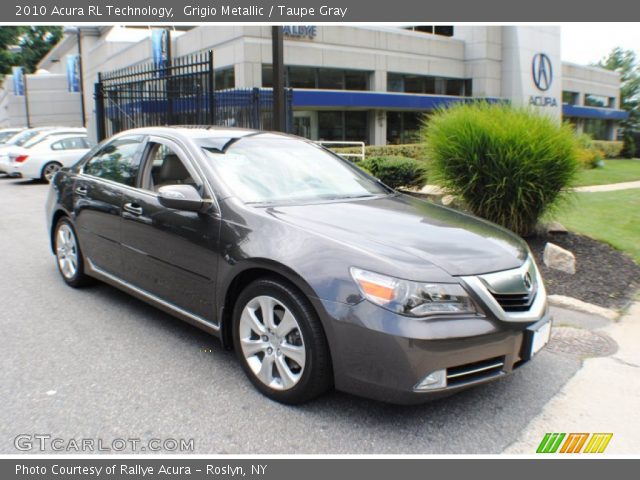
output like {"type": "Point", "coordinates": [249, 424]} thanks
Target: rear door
{"type": "Point", "coordinates": [171, 254]}
{"type": "Point", "coordinates": [98, 193]}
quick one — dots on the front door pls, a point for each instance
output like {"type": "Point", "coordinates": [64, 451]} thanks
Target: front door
{"type": "Point", "coordinates": [109, 172]}
{"type": "Point", "coordinates": [171, 254]}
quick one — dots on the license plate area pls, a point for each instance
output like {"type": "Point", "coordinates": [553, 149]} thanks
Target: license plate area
{"type": "Point", "coordinates": [540, 337]}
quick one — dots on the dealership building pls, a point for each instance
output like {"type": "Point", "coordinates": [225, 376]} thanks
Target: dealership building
{"type": "Point", "coordinates": [358, 83]}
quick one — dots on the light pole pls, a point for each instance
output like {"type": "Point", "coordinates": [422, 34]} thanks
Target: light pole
{"type": "Point", "coordinates": [78, 33]}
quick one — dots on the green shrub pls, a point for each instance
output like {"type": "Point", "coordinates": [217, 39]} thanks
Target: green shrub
{"type": "Point", "coordinates": [395, 171]}
{"type": "Point", "coordinates": [629, 146]}
{"type": "Point", "coordinates": [609, 148]}
{"type": "Point", "coordinates": [588, 155]}
{"type": "Point", "coordinates": [415, 151]}
{"type": "Point", "coordinates": [509, 165]}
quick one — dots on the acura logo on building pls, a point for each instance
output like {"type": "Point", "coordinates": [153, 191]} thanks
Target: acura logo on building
{"type": "Point", "coordinates": [542, 71]}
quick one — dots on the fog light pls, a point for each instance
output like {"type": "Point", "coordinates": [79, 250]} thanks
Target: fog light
{"type": "Point", "coordinates": [433, 381]}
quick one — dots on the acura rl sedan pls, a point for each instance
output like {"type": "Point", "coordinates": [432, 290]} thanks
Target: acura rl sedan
{"type": "Point", "coordinates": [315, 273]}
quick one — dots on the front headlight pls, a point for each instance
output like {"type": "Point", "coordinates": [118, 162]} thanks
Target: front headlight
{"type": "Point", "coordinates": [414, 299]}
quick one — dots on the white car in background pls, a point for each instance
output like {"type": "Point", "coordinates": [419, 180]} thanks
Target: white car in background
{"type": "Point", "coordinates": [44, 159]}
{"type": "Point", "coordinates": [29, 138]}
{"type": "Point", "coordinates": [8, 133]}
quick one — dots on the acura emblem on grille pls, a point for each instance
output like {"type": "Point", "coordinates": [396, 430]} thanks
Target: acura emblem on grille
{"type": "Point", "coordinates": [527, 281]}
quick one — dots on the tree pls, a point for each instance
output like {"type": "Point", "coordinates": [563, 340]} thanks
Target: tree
{"type": "Point", "coordinates": [626, 63]}
{"type": "Point", "coordinates": [9, 37]}
{"type": "Point", "coordinates": [35, 43]}
{"type": "Point", "coordinates": [26, 46]}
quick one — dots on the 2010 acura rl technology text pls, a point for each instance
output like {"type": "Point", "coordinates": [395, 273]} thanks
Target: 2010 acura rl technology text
{"type": "Point", "coordinates": [315, 273]}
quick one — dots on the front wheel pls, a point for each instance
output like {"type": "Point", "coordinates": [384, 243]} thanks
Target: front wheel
{"type": "Point", "coordinates": [49, 171]}
{"type": "Point", "coordinates": [280, 342]}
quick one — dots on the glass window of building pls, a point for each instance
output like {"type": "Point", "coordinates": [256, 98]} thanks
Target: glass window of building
{"type": "Point", "coordinates": [356, 80]}
{"type": "Point", "coordinates": [395, 82]}
{"type": "Point", "coordinates": [343, 126]}
{"type": "Point", "coordinates": [331, 79]}
{"type": "Point", "coordinates": [591, 100]}
{"type": "Point", "coordinates": [319, 78]}
{"type": "Point", "coordinates": [404, 127]}
{"type": "Point", "coordinates": [225, 78]}
{"type": "Point", "coordinates": [301, 77]}
{"type": "Point", "coordinates": [444, 30]}
{"type": "Point", "coordinates": [597, 128]}
{"type": "Point", "coordinates": [455, 87]}
{"type": "Point", "coordinates": [409, 83]}
{"type": "Point", "coordinates": [571, 98]}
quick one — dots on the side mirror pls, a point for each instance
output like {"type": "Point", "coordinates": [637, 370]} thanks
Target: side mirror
{"type": "Point", "coordinates": [180, 197]}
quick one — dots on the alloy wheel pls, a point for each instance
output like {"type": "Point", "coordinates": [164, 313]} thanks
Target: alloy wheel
{"type": "Point", "coordinates": [271, 342]}
{"type": "Point", "coordinates": [50, 170]}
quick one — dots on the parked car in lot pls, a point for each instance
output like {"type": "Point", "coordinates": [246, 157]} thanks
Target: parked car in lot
{"type": "Point", "coordinates": [7, 133]}
{"type": "Point", "coordinates": [44, 159]}
{"type": "Point", "coordinates": [27, 139]}
{"type": "Point", "coordinates": [315, 273]}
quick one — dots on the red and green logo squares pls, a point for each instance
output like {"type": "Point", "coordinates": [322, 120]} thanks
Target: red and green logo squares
{"type": "Point", "coordinates": [574, 443]}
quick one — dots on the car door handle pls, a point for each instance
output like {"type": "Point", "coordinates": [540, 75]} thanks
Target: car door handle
{"type": "Point", "coordinates": [81, 190]}
{"type": "Point", "coordinates": [133, 208]}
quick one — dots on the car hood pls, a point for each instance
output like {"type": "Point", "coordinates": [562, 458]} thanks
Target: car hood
{"type": "Point", "coordinates": [457, 243]}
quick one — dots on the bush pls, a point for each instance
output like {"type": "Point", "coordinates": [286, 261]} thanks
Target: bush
{"type": "Point", "coordinates": [629, 146]}
{"type": "Point", "coordinates": [395, 171]}
{"type": "Point", "coordinates": [415, 151]}
{"type": "Point", "coordinates": [588, 155]}
{"type": "Point", "coordinates": [609, 148]}
{"type": "Point", "coordinates": [509, 165]}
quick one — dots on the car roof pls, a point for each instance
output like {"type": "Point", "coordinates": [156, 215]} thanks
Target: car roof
{"type": "Point", "coordinates": [218, 137]}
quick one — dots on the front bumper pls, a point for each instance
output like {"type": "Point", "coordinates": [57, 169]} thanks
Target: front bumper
{"type": "Point", "coordinates": [382, 355]}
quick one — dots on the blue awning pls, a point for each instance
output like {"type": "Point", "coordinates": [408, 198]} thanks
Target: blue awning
{"type": "Point", "coordinates": [377, 100]}
{"type": "Point", "coordinates": [579, 111]}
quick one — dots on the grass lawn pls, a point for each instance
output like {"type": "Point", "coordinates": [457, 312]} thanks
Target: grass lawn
{"type": "Point", "coordinates": [614, 171]}
{"type": "Point", "coordinates": [611, 217]}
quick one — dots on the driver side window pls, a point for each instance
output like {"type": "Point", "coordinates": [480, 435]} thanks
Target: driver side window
{"type": "Point", "coordinates": [164, 167]}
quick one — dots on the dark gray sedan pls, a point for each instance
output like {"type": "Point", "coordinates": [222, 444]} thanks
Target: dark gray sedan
{"type": "Point", "coordinates": [315, 273]}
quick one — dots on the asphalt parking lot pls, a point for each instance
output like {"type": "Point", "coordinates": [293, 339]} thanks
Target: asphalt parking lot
{"type": "Point", "coordinates": [96, 363]}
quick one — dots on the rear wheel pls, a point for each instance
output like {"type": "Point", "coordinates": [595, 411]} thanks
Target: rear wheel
{"type": "Point", "coordinates": [280, 342]}
{"type": "Point", "coordinates": [49, 171]}
{"type": "Point", "coordinates": [68, 255]}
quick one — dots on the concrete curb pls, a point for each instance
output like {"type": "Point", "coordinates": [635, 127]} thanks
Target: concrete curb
{"type": "Point", "coordinates": [575, 304]}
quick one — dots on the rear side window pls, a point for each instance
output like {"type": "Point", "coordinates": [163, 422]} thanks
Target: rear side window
{"type": "Point", "coordinates": [118, 161]}
{"type": "Point", "coordinates": [73, 143]}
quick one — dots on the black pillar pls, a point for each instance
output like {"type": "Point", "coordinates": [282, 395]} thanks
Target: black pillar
{"type": "Point", "coordinates": [82, 111]}
{"type": "Point", "coordinates": [26, 99]}
{"type": "Point", "coordinates": [279, 121]}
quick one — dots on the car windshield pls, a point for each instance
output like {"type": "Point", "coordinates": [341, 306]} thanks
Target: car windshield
{"type": "Point", "coordinates": [271, 169]}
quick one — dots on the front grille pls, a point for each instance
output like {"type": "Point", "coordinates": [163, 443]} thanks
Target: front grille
{"type": "Point", "coordinates": [514, 302]}
{"type": "Point", "coordinates": [475, 372]}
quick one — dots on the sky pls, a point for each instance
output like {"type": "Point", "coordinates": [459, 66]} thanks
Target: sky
{"type": "Point", "coordinates": [586, 43]}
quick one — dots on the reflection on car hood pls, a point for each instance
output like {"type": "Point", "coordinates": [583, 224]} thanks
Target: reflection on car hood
{"type": "Point", "coordinates": [457, 243]}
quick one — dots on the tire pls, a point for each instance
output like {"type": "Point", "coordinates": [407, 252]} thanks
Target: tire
{"type": "Point", "coordinates": [49, 171]}
{"type": "Point", "coordinates": [287, 361]}
{"type": "Point", "coordinates": [68, 255]}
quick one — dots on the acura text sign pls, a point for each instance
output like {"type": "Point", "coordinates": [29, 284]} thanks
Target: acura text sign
{"type": "Point", "coordinates": [542, 76]}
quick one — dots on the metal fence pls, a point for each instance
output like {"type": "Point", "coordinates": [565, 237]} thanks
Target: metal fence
{"type": "Point", "coordinates": [181, 92]}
